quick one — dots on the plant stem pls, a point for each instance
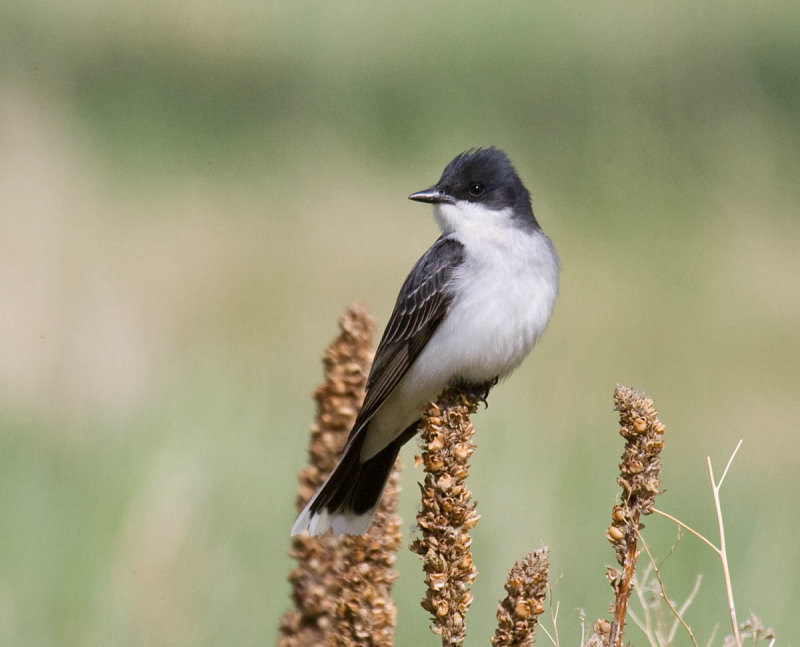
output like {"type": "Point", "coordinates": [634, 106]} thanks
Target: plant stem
{"type": "Point", "coordinates": [722, 551]}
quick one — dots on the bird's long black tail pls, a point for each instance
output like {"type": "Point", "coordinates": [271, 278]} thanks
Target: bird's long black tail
{"type": "Point", "coordinates": [348, 499]}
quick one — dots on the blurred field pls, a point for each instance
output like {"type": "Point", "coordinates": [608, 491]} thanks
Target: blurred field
{"type": "Point", "coordinates": [191, 193]}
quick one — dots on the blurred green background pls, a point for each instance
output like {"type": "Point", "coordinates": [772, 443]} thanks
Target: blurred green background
{"type": "Point", "coordinates": [192, 192]}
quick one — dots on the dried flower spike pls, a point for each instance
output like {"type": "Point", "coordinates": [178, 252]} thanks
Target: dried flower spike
{"type": "Point", "coordinates": [447, 514]}
{"type": "Point", "coordinates": [639, 479]}
{"type": "Point", "coordinates": [342, 586]}
{"type": "Point", "coordinates": [517, 613]}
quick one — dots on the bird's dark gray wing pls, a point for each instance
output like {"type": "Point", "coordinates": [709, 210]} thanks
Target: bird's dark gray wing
{"type": "Point", "coordinates": [420, 308]}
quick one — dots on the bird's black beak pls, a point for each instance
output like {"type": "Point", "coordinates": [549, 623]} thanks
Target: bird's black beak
{"type": "Point", "coordinates": [433, 195]}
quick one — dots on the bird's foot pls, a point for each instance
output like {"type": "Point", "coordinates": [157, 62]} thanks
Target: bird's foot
{"type": "Point", "coordinates": [476, 391]}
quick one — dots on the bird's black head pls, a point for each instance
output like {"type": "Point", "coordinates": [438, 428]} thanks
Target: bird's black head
{"type": "Point", "coordinates": [485, 177]}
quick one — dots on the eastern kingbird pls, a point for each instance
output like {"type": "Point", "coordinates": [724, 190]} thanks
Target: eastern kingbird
{"type": "Point", "coordinates": [469, 312]}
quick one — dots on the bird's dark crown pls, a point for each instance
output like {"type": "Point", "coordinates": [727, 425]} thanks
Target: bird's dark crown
{"type": "Point", "coordinates": [486, 176]}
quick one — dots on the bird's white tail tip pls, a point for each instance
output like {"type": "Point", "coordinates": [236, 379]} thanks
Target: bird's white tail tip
{"type": "Point", "coordinates": [342, 523]}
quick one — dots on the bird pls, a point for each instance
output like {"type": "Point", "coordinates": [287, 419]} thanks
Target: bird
{"type": "Point", "coordinates": [469, 312]}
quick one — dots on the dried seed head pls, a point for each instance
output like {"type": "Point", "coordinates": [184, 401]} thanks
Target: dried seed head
{"type": "Point", "coordinates": [342, 586]}
{"type": "Point", "coordinates": [639, 479]}
{"type": "Point", "coordinates": [601, 634]}
{"type": "Point", "coordinates": [526, 587]}
{"type": "Point", "coordinates": [640, 466]}
{"type": "Point", "coordinates": [446, 514]}
{"type": "Point", "coordinates": [751, 629]}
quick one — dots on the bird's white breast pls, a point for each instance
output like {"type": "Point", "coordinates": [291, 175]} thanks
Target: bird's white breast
{"type": "Point", "coordinates": [504, 292]}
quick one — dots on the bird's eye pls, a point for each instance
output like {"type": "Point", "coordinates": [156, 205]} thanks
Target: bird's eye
{"type": "Point", "coordinates": [476, 189]}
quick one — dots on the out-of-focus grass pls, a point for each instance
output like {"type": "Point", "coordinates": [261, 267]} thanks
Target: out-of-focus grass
{"type": "Point", "coordinates": [190, 194]}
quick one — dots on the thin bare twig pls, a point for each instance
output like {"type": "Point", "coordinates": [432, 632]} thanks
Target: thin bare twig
{"type": "Point", "coordinates": [723, 552]}
{"type": "Point", "coordinates": [720, 550]}
{"type": "Point", "coordinates": [689, 599]}
{"type": "Point", "coordinates": [645, 625]}
{"type": "Point", "coordinates": [582, 616]}
{"type": "Point", "coordinates": [645, 630]}
{"type": "Point", "coordinates": [687, 528]}
{"type": "Point", "coordinates": [713, 635]}
{"type": "Point", "coordinates": [664, 596]}
{"type": "Point", "coordinates": [730, 460]}
{"type": "Point", "coordinates": [553, 618]}
{"type": "Point", "coordinates": [547, 633]}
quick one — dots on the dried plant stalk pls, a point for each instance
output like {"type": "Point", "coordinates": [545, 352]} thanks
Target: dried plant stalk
{"type": "Point", "coordinates": [341, 586]}
{"type": "Point", "coordinates": [639, 479]}
{"type": "Point", "coordinates": [447, 514]}
{"type": "Point", "coordinates": [517, 613]}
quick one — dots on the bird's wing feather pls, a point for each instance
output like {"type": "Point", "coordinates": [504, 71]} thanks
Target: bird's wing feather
{"type": "Point", "coordinates": [421, 306]}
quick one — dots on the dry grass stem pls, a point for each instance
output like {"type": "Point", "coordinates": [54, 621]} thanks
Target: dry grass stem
{"type": "Point", "coordinates": [554, 619]}
{"type": "Point", "coordinates": [662, 592]}
{"type": "Point", "coordinates": [713, 635]}
{"type": "Point", "coordinates": [721, 550]}
{"type": "Point", "coordinates": [341, 586]}
{"type": "Point", "coordinates": [686, 603]}
{"type": "Point", "coordinates": [639, 479]}
{"type": "Point", "coordinates": [447, 514]}
{"type": "Point", "coordinates": [517, 612]}
{"type": "Point", "coordinates": [687, 528]}
{"type": "Point", "coordinates": [641, 589]}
